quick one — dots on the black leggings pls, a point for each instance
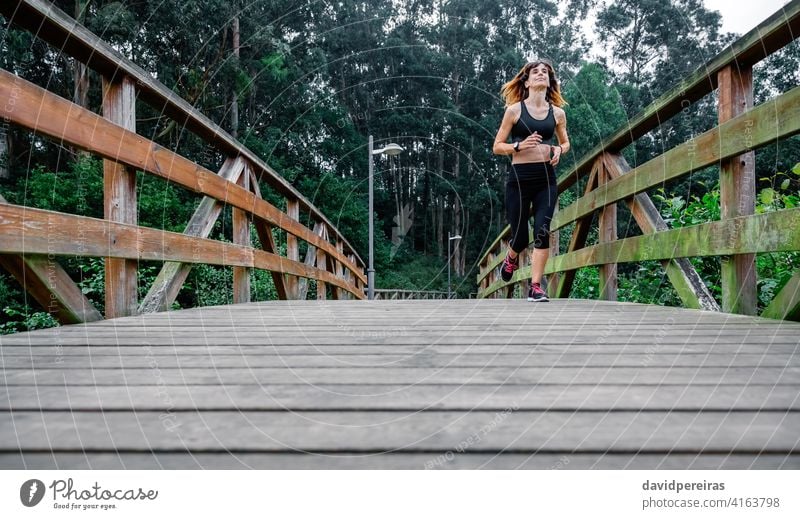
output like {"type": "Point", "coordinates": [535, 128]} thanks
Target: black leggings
{"type": "Point", "coordinates": [530, 183]}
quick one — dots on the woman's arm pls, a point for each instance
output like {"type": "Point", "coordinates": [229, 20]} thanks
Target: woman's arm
{"type": "Point", "coordinates": [501, 147]}
{"type": "Point", "coordinates": [561, 133]}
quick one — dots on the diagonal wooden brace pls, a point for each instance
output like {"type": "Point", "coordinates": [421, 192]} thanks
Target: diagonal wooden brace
{"type": "Point", "coordinates": [683, 276]}
{"type": "Point", "coordinates": [44, 279]}
{"type": "Point", "coordinates": [578, 239]}
{"type": "Point", "coordinates": [786, 303]}
{"type": "Point", "coordinates": [310, 260]}
{"type": "Point", "coordinates": [264, 231]}
{"type": "Point", "coordinates": [172, 276]}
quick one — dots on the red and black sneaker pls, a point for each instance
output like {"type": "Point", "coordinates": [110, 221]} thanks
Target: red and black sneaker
{"type": "Point", "coordinates": [508, 268]}
{"type": "Point", "coordinates": [535, 293]}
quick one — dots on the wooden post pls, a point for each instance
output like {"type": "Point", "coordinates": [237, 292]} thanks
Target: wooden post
{"type": "Point", "coordinates": [579, 235]}
{"type": "Point", "coordinates": [241, 236]}
{"type": "Point", "coordinates": [351, 275]}
{"type": "Point", "coordinates": [322, 264]}
{"type": "Point", "coordinates": [119, 194]}
{"type": "Point", "coordinates": [737, 192]}
{"type": "Point", "coordinates": [170, 279]}
{"type": "Point", "coordinates": [292, 249]}
{"type": "Point", "coordinates": [607, 232]}
{"type": "Point", "coordinates": [338, 270]}
{"type": "Point", "coordinates": [490, 275]}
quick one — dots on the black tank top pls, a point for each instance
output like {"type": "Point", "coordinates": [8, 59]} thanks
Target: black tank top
{"type": "Point", "coordinates": [526, 125]}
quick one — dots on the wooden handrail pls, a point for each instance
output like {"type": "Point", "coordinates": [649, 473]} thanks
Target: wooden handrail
{"type": "Point", "coordinates": [732, 138]}
{"type": "Point", "coordinates": [774, 33]}
{"type": "Point", "coordinates": [738, 236]}
{"type": "Point", "coordinates": [53, 26]}
{"type": "Point", "coordinates": [113, 137]}
{"type": "Point", "coordinates": [25, 230]}
{"type": "Point", "coordinates": [79, 127]}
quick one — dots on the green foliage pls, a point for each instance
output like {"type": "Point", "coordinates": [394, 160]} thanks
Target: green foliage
{"type": "Point", "coordinates": [25, 319]}
{"type": "Point", "coordinates": [586, 284]}
{"type": "Point", "coordinates": [647, 283]}
{"type": "Point", "coordinates": [594, 111]}
{"type": "Point", "coordinates": [313, 80]}
{"type": "Point", "coordinates": [79, 190]}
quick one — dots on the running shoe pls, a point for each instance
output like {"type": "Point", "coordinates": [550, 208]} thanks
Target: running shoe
{"type": "Point", "coordinates": [508, 268]}
{"type": "Point", "coordinates": [535, 293]}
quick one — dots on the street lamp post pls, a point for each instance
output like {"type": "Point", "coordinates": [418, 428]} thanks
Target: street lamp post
{"type": "Point", "coordinates": [389, 149]}
{"type": "Point", "coordinates": [449, 257]}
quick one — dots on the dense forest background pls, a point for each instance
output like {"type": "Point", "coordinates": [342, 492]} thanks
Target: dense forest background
{"type": "Point", "coordinates": [303, 84]}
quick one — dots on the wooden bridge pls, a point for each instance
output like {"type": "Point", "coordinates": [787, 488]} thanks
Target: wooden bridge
{"type": "Point", "coordinates": [339, 382]}
{"type": "Point", "coordinates": [406, 384]}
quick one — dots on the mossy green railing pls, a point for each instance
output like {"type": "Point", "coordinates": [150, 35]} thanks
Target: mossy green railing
{"type": "Point", "coordinates": [736, 237]}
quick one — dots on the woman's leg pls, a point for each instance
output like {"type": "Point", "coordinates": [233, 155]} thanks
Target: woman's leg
{"type": "Point", "coordinates": [538, 261]}
{"type": "Point", "coordinates": [544, 204]}
{"type": "Point", "coordinates": [518, 204]}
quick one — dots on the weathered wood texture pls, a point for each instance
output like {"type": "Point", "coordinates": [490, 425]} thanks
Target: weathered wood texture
{"type": "Point", "coordinates": [264, 232]}
{"type": "Point", "coordinates": [172, 275]}
{"type": "Point", "coordinates": [36, 231]}
{"type": "Point", "coordinates": [737, 190]}
{"type": "Point", "coordinates": [786, 305]}
{"type": "Point", "coordinates": [241, 236]}
{"type": "Point", "coordinates": [400, 384]}
{"type": "Point", "coordinates": [744, 132]}
{"type": "Point", "coordinates": [683, 276]}
{"type": "Point", "coordinates": [50, 285]}
{"type": "Point", "coordinates": [778, 231]}
{"type": "Point", "coordinates": [86, 130]}
{"type": "Point", "coordinates": [292, 250]}
{"type": "Point", "coordinates": [607, 233]}
{"type": "Point", "coordinates": [119, 197]}
{"type": "Point", "coordinates": [71, 38]}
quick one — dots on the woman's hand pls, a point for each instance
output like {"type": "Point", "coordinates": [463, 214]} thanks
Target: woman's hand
{"type": "Point", "coordinates": [531, 141]}
{"type": "Point", "coordinates": [555, 154]}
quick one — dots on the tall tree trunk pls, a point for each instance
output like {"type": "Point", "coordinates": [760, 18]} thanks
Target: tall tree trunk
{"type": "Point", "coordinates": [234, 96]}
{"type": "Point", "coordinates": [440, 210]}
{"type": "Point", "coordinates": [426, 186]}
{"type": "Point", "coordinates": [80, 72]}
{"type": "Point", "coordinates": [464, 227]}
{"type": "Point", "coordinates": [5, 152]}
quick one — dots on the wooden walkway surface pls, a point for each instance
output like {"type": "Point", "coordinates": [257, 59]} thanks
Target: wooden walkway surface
{"type": "Point", "coordinates": [405, 384]}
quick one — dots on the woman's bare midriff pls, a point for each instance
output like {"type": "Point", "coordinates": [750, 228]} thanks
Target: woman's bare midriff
{"type": "Point", "coordinates": [540, 153]}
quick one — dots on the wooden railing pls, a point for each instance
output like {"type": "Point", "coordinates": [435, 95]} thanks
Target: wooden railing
{"type": "Point", "coordinates": [398, 293]}
{"type": "Point", "coordinates": [737, 237]}
{"type": "Point", "coordinates": [31, 239]}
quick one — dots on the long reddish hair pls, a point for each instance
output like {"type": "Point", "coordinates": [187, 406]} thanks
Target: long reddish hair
{"type": "Point", "coordinates": [514, 91]}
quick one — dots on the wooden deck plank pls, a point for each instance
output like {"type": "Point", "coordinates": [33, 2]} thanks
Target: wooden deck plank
{"type": "Point", "coordinates": [399, 384]}
{"type": "Point", "coordinates": [405, 461]}
{"type": "Point", "coordinates": [360, 397]}
{"type": "Point", "coordinates": [421, 359]}
{"type": "Point", "coordinates": [379, 375]}
{"type": "Point", "coordinates": [380, 431]}
{"type": "Point", "coordinates": [641, 347]}
{"type": "Point", "coordinates": [378, 340]}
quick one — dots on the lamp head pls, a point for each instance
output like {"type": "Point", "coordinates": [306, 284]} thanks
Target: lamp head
{"type": "Point", "coordinates": [389, 149]}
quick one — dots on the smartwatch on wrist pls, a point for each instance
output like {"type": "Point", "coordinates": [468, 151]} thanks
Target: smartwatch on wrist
{"type": "Point", "coordinates": [516, 146]}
